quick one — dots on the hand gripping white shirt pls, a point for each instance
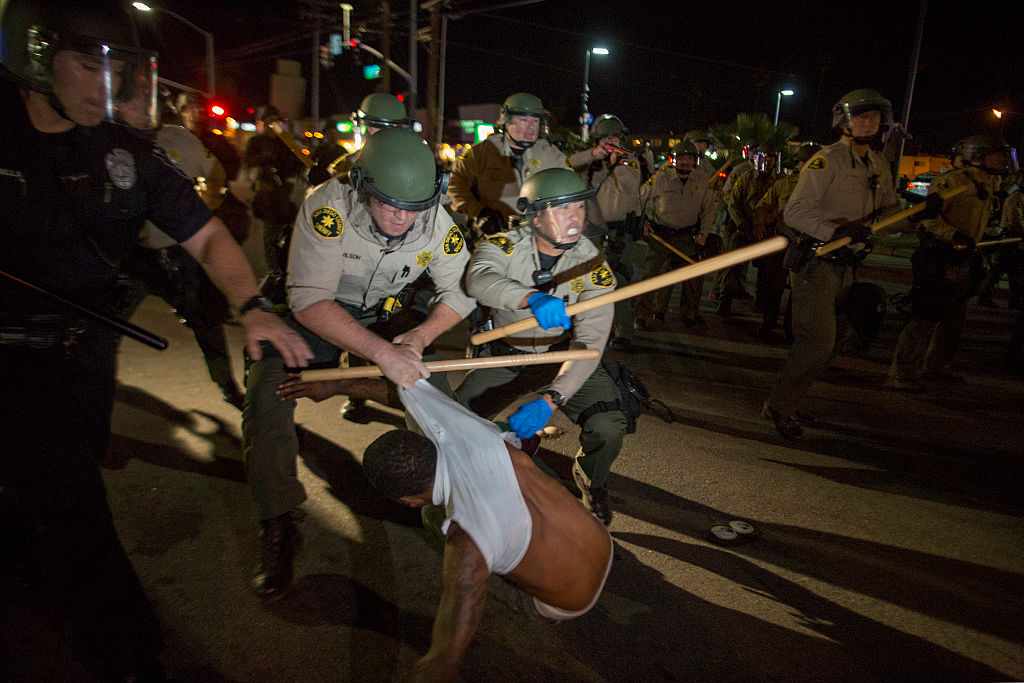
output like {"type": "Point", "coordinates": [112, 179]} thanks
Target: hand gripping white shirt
{"type": "Point", "coordinates": [474, 480]}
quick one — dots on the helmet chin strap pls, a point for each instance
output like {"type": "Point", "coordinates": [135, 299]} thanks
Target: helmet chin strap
{"type": "Point", "coordinates": [859, 139]}
{"type": "Point", "coordinates": [564, 246]}
{"type": "Point", "coordinates": [519, 143]}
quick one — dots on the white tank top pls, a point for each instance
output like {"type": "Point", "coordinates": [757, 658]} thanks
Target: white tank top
{"type": "Point", "coordinates": [474, 481]}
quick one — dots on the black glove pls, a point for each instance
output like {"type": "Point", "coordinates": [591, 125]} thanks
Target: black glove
{"type": "Point", "coordinates": [857, 232]}
{"type": "Point", "coordinates": [932, 208]}
{"type": "Point", "coordinates": [962, 241]}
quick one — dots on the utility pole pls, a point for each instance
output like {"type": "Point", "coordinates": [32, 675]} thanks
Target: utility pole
{"type": "Point", "coordinates": [910, 89]}
{"type": "Point", "coordinates": [432, 75]}
{"type": "Point", "coordinates": [385, 45]}
{"type": "Point", "coordinates": [413, 47]}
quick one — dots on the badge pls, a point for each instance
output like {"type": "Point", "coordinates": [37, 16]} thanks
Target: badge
{"type": "Point", "coordinates": [502, 243]}
{"type": "Point", "coordinates": [602, 276]}
{"type": "Point", "coordinates": [327, 223]}
{"type": "Point", "coordinates": [453, 241]}
{"type": "Point", "coordinates": [535, 163]}
{"type": "Point", "coordinates": [424, 259]}
{"type": "Point", "coordinates": [576, 286]}
{"type": "Point", "coordinates": [818, 163]}
{"type": "Point", "coordinates": [121, 167]}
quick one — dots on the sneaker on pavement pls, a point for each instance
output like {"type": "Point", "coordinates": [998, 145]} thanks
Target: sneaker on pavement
{"type": "Point", "coordinates": [595, 498]}
{"type": "Point", "coordinates": [787, 425]}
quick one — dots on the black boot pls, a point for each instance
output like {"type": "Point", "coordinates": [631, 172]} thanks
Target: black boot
{"type": "Point", "coordinates": [280, 540]}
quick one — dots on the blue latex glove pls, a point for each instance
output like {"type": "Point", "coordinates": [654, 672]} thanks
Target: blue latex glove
{"type": "Point", "coordinates": [530, 418]}
{"type": "Point", "coordinates": [549, 311]}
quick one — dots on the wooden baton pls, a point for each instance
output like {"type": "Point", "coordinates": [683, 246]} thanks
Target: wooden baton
{"type": "Point", "coordinates": [730, 258]}
{"type": "Point", "coordinates": [887, 221]}
{"type": "Point", "coordinates": [992, 243]}
{"type": "Point", "coordinates": [672, 249]}
{"type": "Point", "coordinates": [289, 142]}
{"type": "Point", "coordinates": [456, 364]}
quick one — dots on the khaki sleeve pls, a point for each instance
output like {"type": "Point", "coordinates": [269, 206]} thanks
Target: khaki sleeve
{"type": "Point", "coordinates": [315, 258]}
{"type": "Point", "coordinates": [448, 267]}
{"type": "Point", "coordinates": [462, 184]}
{"type": "Point", "coordinates": [805, 211]}
{"type": "Point", "coordinates": [487, 278]}
{"type": "Point", "coordinates": [591, 329]}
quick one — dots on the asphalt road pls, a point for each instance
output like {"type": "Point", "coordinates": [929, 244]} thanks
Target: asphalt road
{"type": "Point", "coordinates": [891, 539]}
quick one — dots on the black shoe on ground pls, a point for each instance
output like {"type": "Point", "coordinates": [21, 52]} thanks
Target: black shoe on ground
{"type": "Point", "coordinates": [724, 305]}
{"type": "Point", "coordinates": [355, 410]}
{"type": "Point", "coordinates": [659, 317]}
{"type": "Point", "coordinates": [280, 541]}
{"type": "Point", "coordinates": [694, 322]}
{"type": "Point", "coordinates": [786, 425]}
{"type": "Point", "coordinates": [595, 498]}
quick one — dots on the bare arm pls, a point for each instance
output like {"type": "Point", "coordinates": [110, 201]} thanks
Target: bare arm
{"type": "Point", "coordinates": [462, 606]}
{"type": "Point", "coordinates": [326, 319]}
{"type": "Point", "coordinates": [215, 248]}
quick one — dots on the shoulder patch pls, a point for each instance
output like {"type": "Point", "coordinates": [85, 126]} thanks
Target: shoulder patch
{"type": "Point", "coordinates": [502, 243]}
{"type": "Point", "coordinates": [602, 276]}
{"type": "Point", "coordinates": [941, 184]}
{"type": "Point", "coordinates": [818, 163]}
{"type": "Point", "coordinates": [327, 223]}
{"type": "Point", "coordinates": [424, 258]}
{"type": "Point", "coordinates": [453, 241]}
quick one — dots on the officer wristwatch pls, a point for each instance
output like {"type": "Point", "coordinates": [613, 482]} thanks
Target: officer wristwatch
{"type": "Point", "coordinates": [557, 397]}
{"type": "Point", "coordinates": [260, 302]}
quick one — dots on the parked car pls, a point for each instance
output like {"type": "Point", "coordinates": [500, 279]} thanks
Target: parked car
{"type": "Point", "coordinates": [920, 184]}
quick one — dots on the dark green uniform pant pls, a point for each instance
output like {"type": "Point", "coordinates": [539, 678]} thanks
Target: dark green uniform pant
{"type": "Point", "coordinates": [489, 390]}
{"type": "Point", "coordinates": [814, 289]}
{"type": "Point", "coordinates": [661, 260]}
{"type": "Point", "coordinates": [269, 442]}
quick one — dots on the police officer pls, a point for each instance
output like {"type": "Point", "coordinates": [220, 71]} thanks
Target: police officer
{"type": "Point", "coordinates": [535, 270]}
{"type": "Point", "coordinates": [486, 179]}
{"type": "Point", "coordinates": [680, 209]}
{"type": "Point", "coordinates": [702, 143]}
{"type": "Point", "coordinates": [75, 190]}
{"type": "Point", "coordinates": [377, 111]}
{"type": "Point", "coordinates": [946, 266]}
{"type": "Point", "coordinates": [276, 176]}
{"type": "Point", "coordinates": [1008, 259]}
{"type": "Point", "coordinates": [768, 222]}
{"type": "Point", "coordinates": [843, 186]}
{"type": "Point", "coordinates": [355, 247]}
{"type": "Point", "coordinates": [617, 175]}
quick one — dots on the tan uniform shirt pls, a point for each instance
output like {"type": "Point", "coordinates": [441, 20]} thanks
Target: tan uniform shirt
{"type": "Point", "coordinates": [967, 211]}
{"type": "Point", "coordinates": [500, 275]}
{"type": "Point", "coordinates": [743, 196]}
{"type": "Point", "coordinates": [336, 254]}
{"type": "Point", "coordinates": [670, 202]}
{"type": "Point", "coordinates": [837, 187]}
{"type": "Point", "coordinates": [1012, 219]}
{"type": "Point", "coordinates": [485, 177]}
{"type": "Point", "coordinates": [618, 188]}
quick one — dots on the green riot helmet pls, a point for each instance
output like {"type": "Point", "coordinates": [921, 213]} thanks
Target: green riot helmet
{"type": "Point", "coordinates": [700, 137]}
{"type": "Point", "coordinates": [397, 167]}
{"type": "Point", "coordinates": [989, 153]}
{"type": "Point", "coordinates": [100, 35]}
{"type": "Point", "coordinates": [858, 102]}
{"type": "Point", "coordinates": [681, 149]}
{"type": "Point", "coordinates": [382, 110]}
{"type": "Point", "coordinates": [552, 188]}
{"type": "Point", "coordinates": [522, 104]}
{"type": "Point", "coordinates": [805, 151]}
{"type": "Point", "coordinates": [607, 125]}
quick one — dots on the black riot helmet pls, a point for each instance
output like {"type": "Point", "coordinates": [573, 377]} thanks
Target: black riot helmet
{"type": "Point", "coordinates": [858, 102]}
{"type": "Point", "coordinates": [989, 153]}
{"type": "Point", "coordinates": [36, 34]}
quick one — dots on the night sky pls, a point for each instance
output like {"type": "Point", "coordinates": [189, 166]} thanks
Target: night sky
{"type": "Point", "coordinates": [673, 65]}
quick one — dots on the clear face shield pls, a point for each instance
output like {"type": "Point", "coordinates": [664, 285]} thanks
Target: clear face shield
{"type": "Point", "coordinates": [564, 224]}
{"type": "Point", "coordinates": [91, 81]}
{"type": "Point", "coordinates": [1001, 162]}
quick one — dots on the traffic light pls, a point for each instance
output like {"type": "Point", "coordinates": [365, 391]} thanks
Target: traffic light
{"type": "Point", "coordinates": [326, 60]}
{"type": "Point", "coordinates": [371, 72]}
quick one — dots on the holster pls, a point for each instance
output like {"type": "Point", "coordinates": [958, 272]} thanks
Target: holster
{"type": "Point", "coordinates": [797, 253]}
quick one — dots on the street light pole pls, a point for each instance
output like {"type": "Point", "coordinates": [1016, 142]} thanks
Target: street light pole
{"type": "Point", "coordinates": [778, 102]}
{"type": "Point", "coordinates": [586, 89]}
{"type": "Point", "coordinates": [211, 82]}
